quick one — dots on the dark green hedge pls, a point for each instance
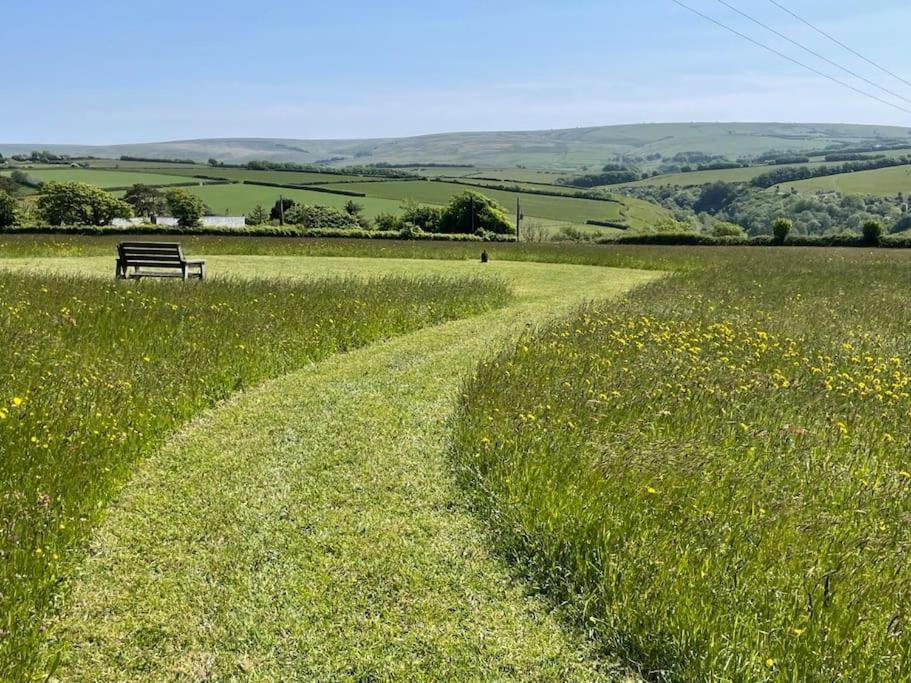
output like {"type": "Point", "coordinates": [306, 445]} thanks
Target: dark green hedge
{"type": "Point", "coordinates": [249, 231]}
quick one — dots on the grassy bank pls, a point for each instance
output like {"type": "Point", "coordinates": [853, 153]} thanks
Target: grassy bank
{"type": "Point", "coordinates": [714, 471]}
{"type": "Point", "coordinates": [95, 374]}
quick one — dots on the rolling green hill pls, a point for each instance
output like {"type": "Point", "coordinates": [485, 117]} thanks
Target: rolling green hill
{"type": "Point", "coordinates": [549, 149]}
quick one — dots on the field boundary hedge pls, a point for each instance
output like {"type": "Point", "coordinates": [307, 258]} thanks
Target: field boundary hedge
{"type": "Point", "coordinates": [312, 188]}
{"type": "Point", "coordinates": [250, 231]}
{"type": "Point", "coordinates": [695, 239]}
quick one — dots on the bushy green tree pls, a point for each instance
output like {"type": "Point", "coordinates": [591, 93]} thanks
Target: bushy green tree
{"type": "Point", "coordinates": [257, 216]}
{"type": "Point", "coordinates": [472, 211]}
{"type": "Point", "coordinates": [74, 203]}
{"type": "Point", "coordinates": [388, 222]}
{"type": "Point", "coordinates": [320, 217]}
{"type": "Point", "coordinates": [7, 210]}
{"type": "Point", "coordinates": [146, 200]}
{"type": "Point", "coordinates": [427, 218]}
{"type": "Point", "coordinates": [187, 208]}
{"type": "Point", "coordinates": [352, 208]}
{"type": "Point", "coordinates": [281, 205]}
{"type": "Point", "coordinates": [872, 232]}
{"type": "Point", "coordinates": [781, 228]}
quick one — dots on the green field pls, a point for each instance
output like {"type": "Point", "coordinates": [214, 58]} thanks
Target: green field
{"type": "Point", "coordinates": [727, 175]}
{"type": "Point", "coordinates": [104, 178]}
{"type": "Point", "coordinates": [281, 177]}
{"type": "Point", "coordinates": [881, 181]}
{"type": "Point", "coordinates": [234, 200]}
{"type": "Point", "coordinates": [523, 175]}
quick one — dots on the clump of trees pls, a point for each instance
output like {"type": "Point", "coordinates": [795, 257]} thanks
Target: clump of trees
{"type": "Point", "coordinates": [74, 203]}
{"type": "Point", "coordinates": [467, 212]}
{"type": "Point", "coordinates": [320, 217]}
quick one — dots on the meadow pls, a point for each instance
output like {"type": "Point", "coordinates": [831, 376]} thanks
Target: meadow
{"type": "Point", "coordinates": [280, 177]}
{"type": "Point", "coordinates": [713, 472]}
{"type": "Point", "coordinates": [96, 373]}
{"type": "Point", "coordinates": [882, 181]}
{"type": "Point", "coordinates": [105, 178]}
{"type": "Point", "coordinates": [234, 200]}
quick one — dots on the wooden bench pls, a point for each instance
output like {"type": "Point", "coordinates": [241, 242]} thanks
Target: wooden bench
{"type": "Point", "coordinates": [165, 258]}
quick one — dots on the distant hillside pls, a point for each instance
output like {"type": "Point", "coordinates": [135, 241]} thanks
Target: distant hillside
{"type": "Point", "coordinates": [559, 149]}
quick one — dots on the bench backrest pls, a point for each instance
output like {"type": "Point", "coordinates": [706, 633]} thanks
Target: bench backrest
{"type": "Point", "coordinates": [151, 253]}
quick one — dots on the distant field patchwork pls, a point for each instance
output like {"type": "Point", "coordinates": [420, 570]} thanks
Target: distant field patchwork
{"type": "Point", "coordinates": [565, 209]}
{"type": "Point", "coordinates": [104, 178]}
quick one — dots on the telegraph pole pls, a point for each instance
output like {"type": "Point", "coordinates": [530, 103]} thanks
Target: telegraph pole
{"type": "Point", "coordinates": [518, 219]}
{"type": "Point", "coordinates": [472, 215]}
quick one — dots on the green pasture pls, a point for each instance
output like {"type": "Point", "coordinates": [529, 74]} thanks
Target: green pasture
{"type": "Point", "coordinates": [104, 178]}
{"type": "Point", "coordinates": [281, 177]}
{"type": "Point", "coordinates": [881, 181]}
{"type": "Point", "coordinates": [239, 199]}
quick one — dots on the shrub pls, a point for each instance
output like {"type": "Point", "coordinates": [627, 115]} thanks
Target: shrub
{"type": "Point", "coordinates": [781, 228]}
{"type": "Point", "coordinates": [387, 222]}
{"type": "Point", "coordinates": [872, 232]}
{"type": "Point", "coordinates": [725, 229]}
{"type": "Point", "coordinates": [319, 217]}
{"type": "Point", "coordinates": [427, 218]}
{"type": "Point", "coordinates": [185, 207]}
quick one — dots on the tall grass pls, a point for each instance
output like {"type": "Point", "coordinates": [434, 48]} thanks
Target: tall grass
{"type": "Point", "coordinates": [93, 374]}
{"type": "Point", "coordinates": [715, 472]}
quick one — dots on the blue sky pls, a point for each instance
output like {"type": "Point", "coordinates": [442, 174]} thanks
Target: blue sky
{"type": "Point", "coordinates": [99, 72]}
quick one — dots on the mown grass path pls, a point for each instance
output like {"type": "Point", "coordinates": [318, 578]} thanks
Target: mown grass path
{"type": "Point", "coordinates": [310, 529]}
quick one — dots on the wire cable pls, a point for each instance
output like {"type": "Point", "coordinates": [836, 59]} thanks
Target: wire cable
{"type": "Point", "coordinates": [793, 60]}
{"type": "Point", "coordinates": [815, 53]}
{"type": "Point", "coordinates": [839, 43]}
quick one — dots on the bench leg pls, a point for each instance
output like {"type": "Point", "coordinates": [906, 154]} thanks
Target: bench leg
{"type": "Point", "coordinates": [117, 270]}
{"type": "Point", "coordinates": [183, 272]}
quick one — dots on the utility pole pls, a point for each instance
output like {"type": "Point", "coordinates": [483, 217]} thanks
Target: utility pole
{"type": "Point", "coordinates": [281, 210]}
{"type": "Point", "coordinates": [518, 219]}
{"type": "Point", "coordinates": [472, 215]}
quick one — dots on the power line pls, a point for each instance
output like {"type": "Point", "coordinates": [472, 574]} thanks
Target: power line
{"type": "Point", "coordinates": [814, 53]}
{"type": "Point", "coordinates": [793, 60]}
{"type": "Point", "coordinates": [839, 43]}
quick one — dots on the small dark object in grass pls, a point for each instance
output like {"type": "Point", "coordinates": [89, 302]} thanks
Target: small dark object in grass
{"type": "Point", "coordinates": [484, 257]}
